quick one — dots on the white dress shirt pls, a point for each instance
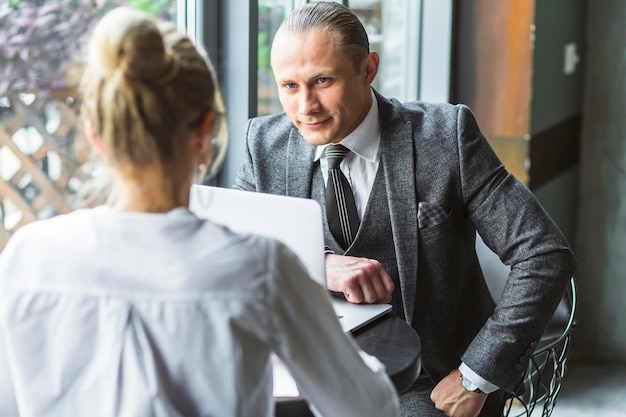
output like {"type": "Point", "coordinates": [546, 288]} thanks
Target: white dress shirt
{"type": "Point", "coordinates": [104, 313]}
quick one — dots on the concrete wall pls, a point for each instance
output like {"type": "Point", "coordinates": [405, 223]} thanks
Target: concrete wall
{"type": "Point", "coordinates": [557, 94]}
{"type": "Point", "coordinates": [601, 242]}
{"type": "Point", "coordinates": [588, 201]}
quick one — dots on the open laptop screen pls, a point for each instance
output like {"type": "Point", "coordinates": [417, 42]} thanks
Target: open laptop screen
{"type": "Point", "coordinates": [297, 222]}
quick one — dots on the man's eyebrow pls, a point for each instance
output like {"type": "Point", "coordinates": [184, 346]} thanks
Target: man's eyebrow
{"type": "Point", "coordinates": [286, 81]}
{"type": "Point", "coordinates": [324, 73]}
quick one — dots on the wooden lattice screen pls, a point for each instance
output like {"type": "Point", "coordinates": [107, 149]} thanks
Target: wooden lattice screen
{"type": "Point", "coordinates": [39, 176]}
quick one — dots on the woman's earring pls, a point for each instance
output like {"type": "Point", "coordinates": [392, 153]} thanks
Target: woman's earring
{"type": "Point", "coordinates": [201, 173]}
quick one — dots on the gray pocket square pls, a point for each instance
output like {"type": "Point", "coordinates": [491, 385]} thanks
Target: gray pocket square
{"type": "Point", "coordinates": [429, 215]}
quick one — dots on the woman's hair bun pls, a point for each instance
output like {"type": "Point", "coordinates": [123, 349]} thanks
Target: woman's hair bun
{"type": "Point", "coordinates": [130, 43]}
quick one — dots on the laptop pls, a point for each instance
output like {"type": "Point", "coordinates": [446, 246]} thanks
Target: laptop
{"type": "Point", "coordinates": [297, 222]}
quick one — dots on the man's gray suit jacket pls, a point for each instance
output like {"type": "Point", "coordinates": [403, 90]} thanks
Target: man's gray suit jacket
{"type": "Point", "coordinates": [435, 153]}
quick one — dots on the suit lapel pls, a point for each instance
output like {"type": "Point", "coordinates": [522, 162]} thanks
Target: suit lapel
{"type": "Point", "coordinates": [397, 158]}
{"type": "Point", "coordinates": [299, 166]}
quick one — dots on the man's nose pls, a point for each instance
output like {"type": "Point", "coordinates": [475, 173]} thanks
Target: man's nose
{"type": "Point", "coordinates": [308, 102]}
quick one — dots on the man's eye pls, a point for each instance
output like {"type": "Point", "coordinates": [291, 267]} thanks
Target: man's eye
{"type": "Point", "coordinates": [323, 80]}
{"type": "Point", "coordinates": [290, 86]}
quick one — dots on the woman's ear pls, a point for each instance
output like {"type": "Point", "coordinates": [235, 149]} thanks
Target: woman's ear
{"type": "Point", "coordinates": [92, 138]}
{"type": "Point", "coordinates": [203, 135]}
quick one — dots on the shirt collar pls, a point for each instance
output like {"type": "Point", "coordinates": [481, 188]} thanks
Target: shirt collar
{"type": "Point", "coordinates": [365, 139]}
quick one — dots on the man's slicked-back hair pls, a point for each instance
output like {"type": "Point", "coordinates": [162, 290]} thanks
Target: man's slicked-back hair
{"type": "Point", "coordinates": [335, 18]}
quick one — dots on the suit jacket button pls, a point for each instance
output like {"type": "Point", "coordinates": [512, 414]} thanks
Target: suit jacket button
{"type": "Point", "coordinates": [533, 345]}
{"type": "Point", "coordinates": [529, 352]}
{"type": "Point", "coordinates": [523, 359]}
{"type": "Point", "coordinates": [519, 367]}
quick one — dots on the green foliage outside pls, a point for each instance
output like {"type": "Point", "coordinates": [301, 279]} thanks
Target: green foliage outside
{"type": "Point", "coordinates": [155, 8]}
{"type": "Point", "coordinates": [40, 39]}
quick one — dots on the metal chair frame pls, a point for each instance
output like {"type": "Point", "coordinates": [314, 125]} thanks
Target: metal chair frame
{"type": "Point", "coordinates": [543, 378]}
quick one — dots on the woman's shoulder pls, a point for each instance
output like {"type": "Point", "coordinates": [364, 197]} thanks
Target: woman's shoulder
{"type": "Point", "coordinates": [58, 226]}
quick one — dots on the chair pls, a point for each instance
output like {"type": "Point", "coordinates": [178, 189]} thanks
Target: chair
{"type": "Point", "coordinates": [542, 380]}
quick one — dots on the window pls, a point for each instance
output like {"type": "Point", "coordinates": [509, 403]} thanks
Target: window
{"type": "Point", "coordinates": [44, 159]}
{"type": "Point", "coordinates": [271, 14]}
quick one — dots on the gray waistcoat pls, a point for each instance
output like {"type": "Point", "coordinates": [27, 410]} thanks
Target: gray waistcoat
{"type": "Point", "coordinates": [374, 239]}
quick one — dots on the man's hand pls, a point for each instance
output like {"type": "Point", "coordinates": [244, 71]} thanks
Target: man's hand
{"type": "Point", "coordinates": [361, 280]}
{"type": "Point", "coordinates": [450, 397]}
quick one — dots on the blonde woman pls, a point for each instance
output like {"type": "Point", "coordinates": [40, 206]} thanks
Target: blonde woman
{"type": "Point", "coordinates": [142, 309]}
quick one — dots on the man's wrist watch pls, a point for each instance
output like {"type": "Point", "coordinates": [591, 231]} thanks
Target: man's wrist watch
{"type": "Point", "coordinates": [469, 385]}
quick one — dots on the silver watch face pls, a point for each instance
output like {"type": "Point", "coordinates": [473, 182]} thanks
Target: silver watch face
{"type": "Point", "coordinates": [467, 384]}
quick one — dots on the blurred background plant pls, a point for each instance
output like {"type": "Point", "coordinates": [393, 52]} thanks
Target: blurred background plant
{"type": "Point", "coordinates": [40, 39]}
{"type": "Point", "coordinates": [45, 163]}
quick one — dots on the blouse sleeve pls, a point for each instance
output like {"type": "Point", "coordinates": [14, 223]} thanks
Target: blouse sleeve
{"type": "Point", "coordinates": [332, 372]}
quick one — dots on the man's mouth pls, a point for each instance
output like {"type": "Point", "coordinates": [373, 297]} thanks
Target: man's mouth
{"type": "Point", "coordinates": [316, 124]}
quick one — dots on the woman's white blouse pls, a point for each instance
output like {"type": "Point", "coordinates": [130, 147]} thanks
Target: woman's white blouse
{"type": "Point", "coordinates": [105, 313]}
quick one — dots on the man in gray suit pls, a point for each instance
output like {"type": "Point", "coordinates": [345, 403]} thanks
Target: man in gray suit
{"type": "Point", "coordinates": [424, 181]}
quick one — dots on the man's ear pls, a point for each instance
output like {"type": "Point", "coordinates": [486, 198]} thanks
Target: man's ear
{"type": "Point", "coordinates": [370, 66]}
{"type": "Point", "coordinates": [92, 138]}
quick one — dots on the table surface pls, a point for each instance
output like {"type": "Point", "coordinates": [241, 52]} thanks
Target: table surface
{"type": "Point", "coordinates": [393, 342]}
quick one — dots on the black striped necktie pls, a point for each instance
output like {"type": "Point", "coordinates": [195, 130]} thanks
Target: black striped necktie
{"type": "Point", "coordinates": [343, 218]}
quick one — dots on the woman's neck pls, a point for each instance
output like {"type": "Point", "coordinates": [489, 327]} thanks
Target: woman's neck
{"type": "Point", "coordinates": [150, 191]}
